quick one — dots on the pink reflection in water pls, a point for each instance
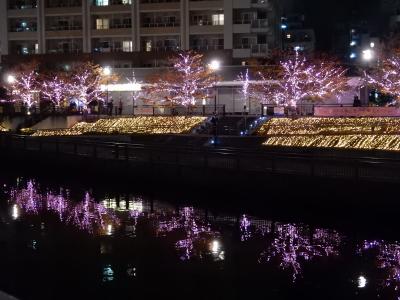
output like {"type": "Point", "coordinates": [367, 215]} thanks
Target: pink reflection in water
{"type": "Point", "coordinates": [292, 245]}
{"type": "Point", "coordinates": [86, 215]}
{"type": "Point", "coordinates": [388, 258]}
{"type": "Point", "coordinates": [197, 234]}
{"type": "Point", "coordinates": [89, 215]}
{"type": "Point", "coordinates": [27, 198]}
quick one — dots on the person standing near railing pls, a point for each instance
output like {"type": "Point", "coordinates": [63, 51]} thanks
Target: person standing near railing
{"type": "Point", "coordinates": [120, 107]}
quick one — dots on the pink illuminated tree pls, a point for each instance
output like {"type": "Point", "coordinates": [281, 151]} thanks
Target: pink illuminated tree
{"type": "Point", "coordinates": [387, 77]}
{"type": "Point", "coordinates": [298, 78]}
{"type": "Point", "coordinates": [25, 87]}
{"type": "Point", "coordinates": [188, 80]}
{"type": "Point", "coordinates": [55, 90]}
{"type": "Point", "coordinates": [85, 85]}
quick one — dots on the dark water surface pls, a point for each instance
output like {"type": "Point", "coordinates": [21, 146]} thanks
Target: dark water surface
{"type": "Point", "coordinates": [72, 241]}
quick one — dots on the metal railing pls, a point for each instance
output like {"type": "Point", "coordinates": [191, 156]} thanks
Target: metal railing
{"type": "Point", "coordinates": [207, 47]}
{"type": "Point", "coordinates": [63, 3]}
{"type": "Point", "coordinates": [348, 164]}
{"type": "Point", "coordinates": [166, 24]}
{"type": "Point", "coordinates": [259, 23]}
{"type": "Point", "coordinates": [65, 27]}
{"type": "Point", "coordinates": [259, 49]}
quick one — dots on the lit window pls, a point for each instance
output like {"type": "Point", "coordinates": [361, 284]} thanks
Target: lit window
{"type": "Point", "coordinates": [353, 43]}
{"type": "Point", "coordinates": [36, 48]}
{"type": "Point", "coordinates": [125, 2]}
{"type": "Point", "coordinates": [127, 46]}
{"type": "Point", "coordinates": [298, 48]}
{"type": "Point", "coordinates": [148, 46]}
{"type": "Point", "coordinates": [102, 2]}
{"type": "Point", "coordinates": [102, 24]}
{"type": "Point", "coordinates": [289, 36]}
{"type": "Point", "coordinates": [218, 19]}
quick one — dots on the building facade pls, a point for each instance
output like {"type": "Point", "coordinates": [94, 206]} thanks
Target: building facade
{"type": "Point", "coordinates": [119, 30]}
{"type": "Point", "coordinates": [296, 35]}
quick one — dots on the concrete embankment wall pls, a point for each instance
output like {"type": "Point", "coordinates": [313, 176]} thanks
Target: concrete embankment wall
{"type": "Point", "coordinates": [57, 122]}
{"type": "Point", "coordinates": [207, 164]}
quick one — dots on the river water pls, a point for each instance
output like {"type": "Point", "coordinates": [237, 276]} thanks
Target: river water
{"type": "Point", "coordinates": [73, 242]}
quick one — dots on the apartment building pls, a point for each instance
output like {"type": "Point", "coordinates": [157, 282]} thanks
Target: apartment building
{"type": "Point", "coordinates": [134, 33]}
{"type": "Point", "coordinates": [296, 36]}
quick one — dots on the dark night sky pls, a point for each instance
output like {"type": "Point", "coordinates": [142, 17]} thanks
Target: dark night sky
{"type": "Point", "coordinates": [322, 15]}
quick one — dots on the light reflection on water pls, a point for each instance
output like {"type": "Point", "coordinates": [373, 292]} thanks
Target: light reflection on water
{"type": "Point", "coordinates": [196, 234]}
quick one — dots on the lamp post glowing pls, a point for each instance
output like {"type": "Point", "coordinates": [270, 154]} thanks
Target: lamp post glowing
{"type": "Point", "coordinates": [107, 73]}
{"type": "Point", "coordinates": [214, 66]}
{"type": "Point", "coordinates": [367, 55]}
{"type": "Point", "coordinates": [11, 79]}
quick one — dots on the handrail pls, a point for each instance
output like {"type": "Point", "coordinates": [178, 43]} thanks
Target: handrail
{"type": "Point", "coordinates": [265, 151]}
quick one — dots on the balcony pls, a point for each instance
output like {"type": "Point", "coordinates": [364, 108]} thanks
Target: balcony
{"type": "Point", "coordinates": [160, 29]}
{"type": "Point", "coordinates": [63, 3]}
{"type": "Point", "coordinates": [206, 29]}
{"type": "Point", "coordinates": [59, 11]}
{"type": "Point", "coordinates": [159, 5]}
{"type": "Point", "coordinates": [24, 48]}
{"type": "Point", "coordinates": [261, 4]}
{"type": "Point", "coordinates": [241, 4]}
{"type": "Point", "coordinates": [65, 32]}
{"type": "Point", "coordinates": [204, 5]}
{"type": "Point", "coordinates": [111, 2]}
{"type": "Point", "coordinates": [206, 47]}
{"type": "Point", "coordinates": [64, 50]}
{"type": "Point", "coordinates": [259, 50]}
{"type": "Point", "coordinates": [117, 6]}
{"type": "Point", "coordinates": [259, 25]}
{"type": "Point", "coordinates": [241, 52]}
{"type": "Point", "coordinates": [111, 32]}
{"type": "Point", "coordinates": [23, 35]}
{"type": "Point", "coordinates": [22, 5]}
{"type": "Point", "coordinates": [22, 13]}
{"type": "Point", "coordinates": [69, 27]}
{"type": "Point", "coordinates": [241, 26]}
{"type": "Point", "coordinates": [112, 45]}
{"type": "Point", "coordinates": [108, 50]}
{"type": "Point", "coordinates": [17, 25]}
{"type": "Point", "coordinates": [161, 49]}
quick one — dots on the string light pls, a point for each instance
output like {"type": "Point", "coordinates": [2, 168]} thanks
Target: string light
{"type": "Point", "coordinates": [387, 258]}
{"type": "Point", "coordinates": [368, 142]}
{"type": "Point", "coordinates": [187, 81]}
{"type": "Point", "coordinates": [300, 126]}
{"type": "Point", "coordinates": [298, 79]}
{"type": "Point", "coordinates": [24, 86]}
{"type": "Point", "coordinates": [55, 90]}
{"type": "Point", "coordinates": [387, 76]}
{"type": "Point", "coordinates": [136, 125]}
{"type": "Point", "coordinates": [348, 133]}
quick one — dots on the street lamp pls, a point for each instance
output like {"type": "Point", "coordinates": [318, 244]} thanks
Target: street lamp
{"type": "Point", "coordinates": [107, 73]}
{"type": "Point", "coordinates": [136, 87]}
{"type": "Point", "coordinates": [11, 79]}
{"type": "Point", "coordinates": [214, 66]}
{"type": "Point", "coordinates": [367, 55]}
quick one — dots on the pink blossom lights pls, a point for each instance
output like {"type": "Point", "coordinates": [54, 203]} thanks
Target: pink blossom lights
{"type": "Point", "coordinates": [387, 77]}
{"type": "Point", "coordinates": [187, 81]}
{"type": "Point", "coordinates": [299, 79]}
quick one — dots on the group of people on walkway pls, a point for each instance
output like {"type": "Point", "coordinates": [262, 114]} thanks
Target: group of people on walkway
{"type": "Point", "coordinates": [117, 108]}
